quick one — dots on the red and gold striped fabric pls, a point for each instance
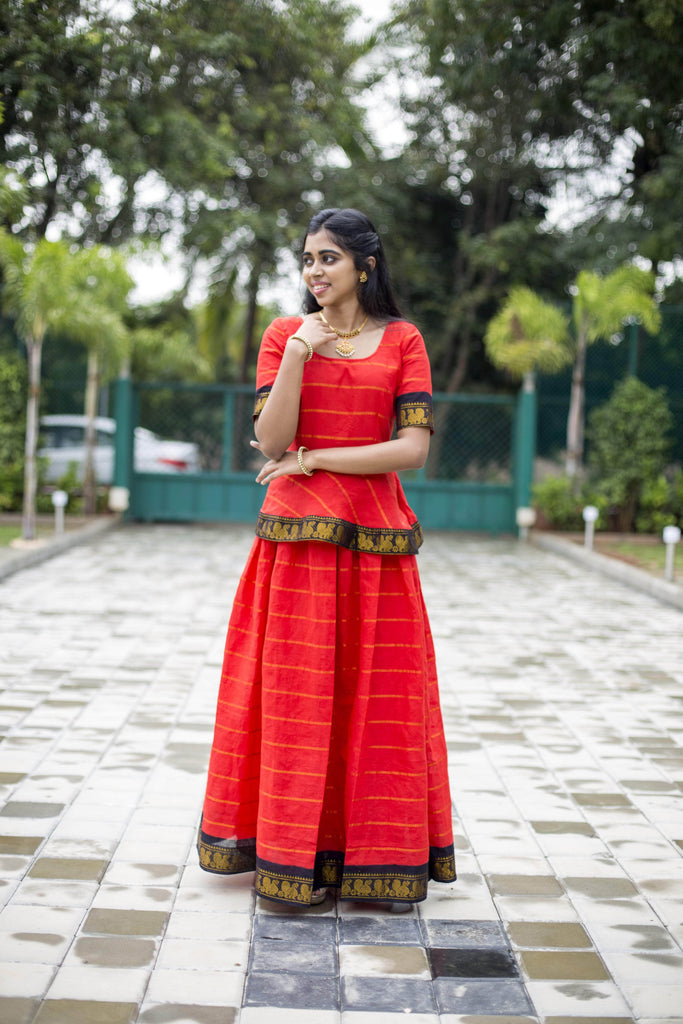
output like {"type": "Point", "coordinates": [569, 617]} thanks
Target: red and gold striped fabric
{"type": "Point", "coordinates": [329, 761]}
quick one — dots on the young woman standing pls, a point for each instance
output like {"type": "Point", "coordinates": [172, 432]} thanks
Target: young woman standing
{"type": "Point", "coordinates": [328, 767]}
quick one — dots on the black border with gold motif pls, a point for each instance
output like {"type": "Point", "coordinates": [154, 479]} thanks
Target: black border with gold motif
{"type": "Point", "coordinates": [374, 540]}
{"type": "Point", "coordinates": [396, 883]}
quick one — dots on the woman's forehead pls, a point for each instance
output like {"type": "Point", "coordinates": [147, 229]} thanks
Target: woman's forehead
{"type": "Point", "coordinates": [321, 241]}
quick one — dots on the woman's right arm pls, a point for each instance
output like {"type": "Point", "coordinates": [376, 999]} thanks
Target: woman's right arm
{"type": "Point", "coordinates": [275, 427]}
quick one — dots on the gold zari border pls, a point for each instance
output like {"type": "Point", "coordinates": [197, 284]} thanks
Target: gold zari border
{"type": "Point", "coordinates": [374, 540]}
{"type": "Point", "coordinates": [226, 860]}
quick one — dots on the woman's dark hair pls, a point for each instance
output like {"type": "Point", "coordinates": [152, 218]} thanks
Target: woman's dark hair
{"type": "Point", "coordinates": [354, 233]}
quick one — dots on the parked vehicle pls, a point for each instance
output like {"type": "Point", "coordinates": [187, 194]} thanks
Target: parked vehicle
{"type": "Point", "coordinates": [62, 440]}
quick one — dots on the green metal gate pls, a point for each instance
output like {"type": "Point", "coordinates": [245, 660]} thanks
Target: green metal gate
{"type": "Point", "coordinates": [478, 472]}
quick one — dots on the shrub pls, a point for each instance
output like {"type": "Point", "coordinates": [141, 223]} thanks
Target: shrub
{"type": "Point", "coordinates": [555, 500]}
{"type": "Point", "coordinates": [628, 446]}
{"type": "Point", "coordinates": [661, 503]}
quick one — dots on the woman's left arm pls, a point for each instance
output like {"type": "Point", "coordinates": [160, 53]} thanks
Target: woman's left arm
{"type": "Point", "coordinates": [408, 450]}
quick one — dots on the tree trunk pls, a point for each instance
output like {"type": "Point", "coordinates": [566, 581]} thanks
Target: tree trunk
{"type": "Point", "coordinates": [250, 326]}
{"type": "Point", "coordinates": [34, 349]}
{"type": "Point", "coordinates": [92, 388]}
{"type": "Point", "coordinates": [575, 420]}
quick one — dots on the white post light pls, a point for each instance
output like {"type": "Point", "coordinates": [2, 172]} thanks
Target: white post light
{"type": "Point", "coordinates": [59, 501]}
{"type": "Point", "coordinates": [526, 517]}
{"type": "Point", "coordinates": [671, 536]}
{"type": "Point", "coordinates": [119, 499]}
{"type": "Point", "coordinates": [590, 515]}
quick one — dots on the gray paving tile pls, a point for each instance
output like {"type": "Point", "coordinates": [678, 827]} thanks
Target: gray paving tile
{"type": "Point", "coordinates": [387, 995]}
{"type": "Point", "coordinates": [473, 963]}
{"type": "Point", "coordinates": [458, 995]}
{"type": "Point", "coordinates": [301, 991]}
{"type": "Point", "coordinates": [294, 928]}
{"type": "Point", "coordinates": [368, 931]}
{"type": "Point", "coordinates": [294, 957]}
{"type": "Point", "coordinates": [463, 934]}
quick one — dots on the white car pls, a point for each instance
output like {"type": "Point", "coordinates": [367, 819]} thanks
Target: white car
{"type": "Point", "coordinates": [62, 439]}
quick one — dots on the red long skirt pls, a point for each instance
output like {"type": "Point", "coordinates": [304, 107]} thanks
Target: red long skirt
{"type": "Point", "coordinates": [328, 765]}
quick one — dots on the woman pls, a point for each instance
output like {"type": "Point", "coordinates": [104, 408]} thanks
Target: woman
{"type": "Point", "coordinates": [328, 767]}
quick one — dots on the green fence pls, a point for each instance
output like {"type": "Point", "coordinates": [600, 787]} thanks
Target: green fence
{"type": "Point", "coordinates": [657, 361]}
{"type": "Point", "coordinates": [478, 471]}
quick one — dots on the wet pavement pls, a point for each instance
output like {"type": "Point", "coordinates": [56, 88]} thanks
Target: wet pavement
{"type": "Point", "coordinates": [562, 695]}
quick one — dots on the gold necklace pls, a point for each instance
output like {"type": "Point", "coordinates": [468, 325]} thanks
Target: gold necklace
{"type": "Point", "coordinates": [344, 349]}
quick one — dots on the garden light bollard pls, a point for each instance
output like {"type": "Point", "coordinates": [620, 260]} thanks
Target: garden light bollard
{"type": "Point", "coordinates": [671, 536]}
{"type": "Point", "coordinates": [590, 515]}
{"type": "Point", "coordinates": [526, 517]}
{"type": "Point", "coordinates": [59, 501]}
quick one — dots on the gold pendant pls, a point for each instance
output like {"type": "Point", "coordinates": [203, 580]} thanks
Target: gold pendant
{"type": "Point", "coordinates": [345, 349]}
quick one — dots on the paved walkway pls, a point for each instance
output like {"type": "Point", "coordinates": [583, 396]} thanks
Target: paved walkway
{"type": "Point", "coordinates": [563, 702]}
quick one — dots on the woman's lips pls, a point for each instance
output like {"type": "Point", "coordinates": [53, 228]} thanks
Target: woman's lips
{"type": "Point", "coordinates": [317, 288]}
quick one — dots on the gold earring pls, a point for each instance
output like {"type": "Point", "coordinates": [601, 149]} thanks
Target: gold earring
{"type": "Point", "coordinates": [363, 277]}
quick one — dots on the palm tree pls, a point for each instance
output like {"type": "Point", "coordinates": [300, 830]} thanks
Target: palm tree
{"type": "Point", "coordinates": [601, 307]}
{"type": "Point", "coordinates": [528, 335]}
{"type": "Point", "coordinates": [37, 295]}
{"type": "Point", "coordinates": [101, 285]}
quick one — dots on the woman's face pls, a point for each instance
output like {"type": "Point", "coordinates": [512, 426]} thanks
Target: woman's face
{"type": "Point", "coordinates": [328, 271]}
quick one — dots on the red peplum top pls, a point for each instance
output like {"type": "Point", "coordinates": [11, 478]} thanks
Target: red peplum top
{"type": "Point", "coordinates": [348, 402]}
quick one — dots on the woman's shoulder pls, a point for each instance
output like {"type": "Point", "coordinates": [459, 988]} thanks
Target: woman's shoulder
{"type": "Point", "coordinates": [405, 334]}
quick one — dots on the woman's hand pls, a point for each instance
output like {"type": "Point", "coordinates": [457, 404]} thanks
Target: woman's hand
{"type": "Point", "coordinates": [286, 465]}
{"type": "Point", "coordinates": [315, 331]}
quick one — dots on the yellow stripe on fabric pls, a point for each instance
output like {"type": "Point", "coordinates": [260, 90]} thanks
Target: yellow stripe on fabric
{"type": "Point", "coordinates": [287, 849]}
{"type": "Point", "coordinates": [301, 643]}
{"type": "Point", "coordinates": [292, 771]}
{"type": "Point", "coordinates": [334, 477]}
{"type": "Point", "coordinates": [288, 746]}
{"type": "Point", "coordinates": [305, 618]}
{"type": "Point", "coordinates": [395, 824]}
{"type": "Point", "coordinates": [296, 668]}
{"type": "Point", "coordinates": [391, 746]}
{"type": "Point", "coordinates": [280, 796]}
{"type": "Point", "coordinates": [312, 493]}
{"type": "Point", "coordinates": [344, 439]}
{"type": "Point", "coordinates": [345, 412]}
{"type": "Point", "coordinates": [288, 824]}
{"type": "Point", "coordinates": [297, 693]}
{"type": "Point", "coordinates": [377, 501]}
{"type": "Point", "coordinates": [393, 799]}
{"type": "Point", "coordinates": [350, 387]}
{"type": "Point", "coordinates": [292, 721]}
{"type": "Point", "coordinates": [386, 849]}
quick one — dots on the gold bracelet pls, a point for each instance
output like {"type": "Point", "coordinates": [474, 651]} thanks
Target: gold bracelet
{"type": "Point", "coordinates": [300, 460]}
{"type": "Point", "coordinates": [297, 337]}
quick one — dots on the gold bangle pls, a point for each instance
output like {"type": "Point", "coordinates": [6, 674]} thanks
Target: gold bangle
{"type": "Point", "coordinates": [300, 460]}
{"type": "Point", "coordinates": [297, 337]}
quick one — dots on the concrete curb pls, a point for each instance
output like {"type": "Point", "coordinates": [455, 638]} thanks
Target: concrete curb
{"type": "Point", "coordinates": [18, 560]}
{"type": "Point", "coordinates": [629, 575]}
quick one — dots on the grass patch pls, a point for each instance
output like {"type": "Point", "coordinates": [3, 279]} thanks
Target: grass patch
{"type": "Point", "coordinates": [647, 553]}
{"type": "Point", "coordinates": [8, 533]}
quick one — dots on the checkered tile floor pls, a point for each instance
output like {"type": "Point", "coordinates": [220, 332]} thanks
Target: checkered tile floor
{"type": "Point", "coordinates": [384, 965]}
{"type": "Point", "coordinates": [562, 697]}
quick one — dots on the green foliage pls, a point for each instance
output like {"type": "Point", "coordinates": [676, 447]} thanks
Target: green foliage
{"type": "Point", "coordinates": [556, 500]}
{"type": "Point", "coordinates": [12, 428]}
{"type": "Point", "coordinates": [629, 444]}
{"type": "Point", "coordinates": [527, 335]}
{"type": "Point", "coordinates": [661, 502]}
{"type": "Point", "coordinates": [603, 304]}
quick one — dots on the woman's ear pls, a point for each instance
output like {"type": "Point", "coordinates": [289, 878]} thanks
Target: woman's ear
{"type": "Point", "coordinates": [372, 263]}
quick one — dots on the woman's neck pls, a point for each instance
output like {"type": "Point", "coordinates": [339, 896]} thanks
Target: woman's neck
{"type": "Point", "coordinates": [345, 317]}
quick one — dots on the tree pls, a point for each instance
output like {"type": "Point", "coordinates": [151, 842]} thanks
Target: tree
{"type": "Point", "coordinates": [100, 285]}
{"type": "Point", "coordinates": [601, 306]}
{"type": "Point", "coordinates": [629, 444]}
{"type": "Point", "coordinates": [528, 335]}
{"type": "Point", "coordinates": [36, 293]}
{"type": "Point", "coordinates": [208, 122]}
{"type": "Point", "coordinates": [513, 100]}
